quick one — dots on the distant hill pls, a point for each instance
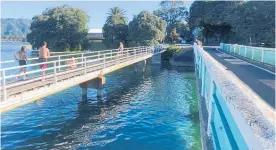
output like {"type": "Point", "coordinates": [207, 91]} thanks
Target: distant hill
{"type": "Point", "coordinates": [15, 27]}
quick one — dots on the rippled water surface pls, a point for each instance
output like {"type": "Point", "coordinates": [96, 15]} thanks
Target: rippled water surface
{"type": "Point", "coordinates": [154, 110]}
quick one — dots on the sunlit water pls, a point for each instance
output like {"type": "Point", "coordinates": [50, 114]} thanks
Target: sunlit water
{"type": "Point", "coordinates": [154, 110]}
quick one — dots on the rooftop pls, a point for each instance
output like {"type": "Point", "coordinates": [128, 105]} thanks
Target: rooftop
{"type": "Point", "coordinates": [95, 31]}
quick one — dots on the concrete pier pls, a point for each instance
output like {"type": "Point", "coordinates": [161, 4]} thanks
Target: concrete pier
{"type": "Point", "coordinates": [97, 83]}
{"type": "Point", "coordinates": [156, 59]}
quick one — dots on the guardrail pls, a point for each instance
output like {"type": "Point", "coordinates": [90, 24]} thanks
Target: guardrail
{"type": "Point", "coordinates": [58, 67]}
{"type": "Point", "coordinates": [230, 106]}
{"type": "Point", "coordinates": [259, 54]}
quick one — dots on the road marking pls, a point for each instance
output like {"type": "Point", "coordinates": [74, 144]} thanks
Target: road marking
{"type": "Point", "coordinates": [248, 63]}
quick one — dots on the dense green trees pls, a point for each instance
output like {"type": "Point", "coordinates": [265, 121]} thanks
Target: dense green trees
{"type": "Point", "coordinates": [63, 28]}
{"type": "Point", "coordinates": [234, 21]}
{"type": "Point", "coordinates": [146, 29]}
{"type": "Point", "coordinates": [175, 14]}
{"type": "Point", "coordinates": [115, 28]}
{"type": "Point", "coordinates": [15, 28]}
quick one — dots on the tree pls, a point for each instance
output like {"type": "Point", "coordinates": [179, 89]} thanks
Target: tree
{"type": "Point", "coordinates": [173, 12]}
{"type": "Point", "coordinates": [115, 28]}
{"type": "Point", "coordinates": [234, 21]}
{"type": "Point", "coordinates": [116, 15]}
{"type": "Point", "coordinates": [184, 31]}
{"type": "Point", "coordinates": [174, 36]}
{"type": "Point", "coordinates": [63, 28]}
{"type": "Point", "coordinates": [146, 29]}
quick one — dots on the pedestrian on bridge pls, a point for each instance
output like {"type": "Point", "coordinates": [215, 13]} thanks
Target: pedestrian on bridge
{"type": "Point", "coordinates": [21, 56]}
{"type": "Point", "coordinates": [43, 56]}
{"type": "Point", "coordinates": [121, 48]}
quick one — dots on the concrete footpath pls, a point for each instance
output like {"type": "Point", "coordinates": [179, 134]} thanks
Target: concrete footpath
{"type": "Point", "coordinates": [259, 80]}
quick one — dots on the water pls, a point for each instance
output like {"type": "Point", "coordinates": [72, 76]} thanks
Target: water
{"type": "Point", "coordinates": [156, 109]}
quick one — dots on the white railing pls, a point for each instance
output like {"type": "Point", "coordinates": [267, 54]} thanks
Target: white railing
{"type": "Point", "coordinates": [59, 57]}
{"type": "Point", "coordinates": [59, 67]}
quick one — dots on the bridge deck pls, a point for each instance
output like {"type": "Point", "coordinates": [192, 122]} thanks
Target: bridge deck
{"type": "Point", "coordinates": [260, 81]}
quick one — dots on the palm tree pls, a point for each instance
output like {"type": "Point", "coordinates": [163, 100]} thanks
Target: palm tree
{"type": "Point", "coordinates": [116, 15]}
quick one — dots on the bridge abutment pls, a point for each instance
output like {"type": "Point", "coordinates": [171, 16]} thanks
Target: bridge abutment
{"type": "Point", "coordinates": [156, 59]}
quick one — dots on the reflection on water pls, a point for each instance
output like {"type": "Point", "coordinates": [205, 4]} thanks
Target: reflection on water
{"type": "Point", "coordinates": [156, 109]}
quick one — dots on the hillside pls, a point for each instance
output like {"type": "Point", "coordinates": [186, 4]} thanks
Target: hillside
{"type": "Point", "coordinates": [15, 27]}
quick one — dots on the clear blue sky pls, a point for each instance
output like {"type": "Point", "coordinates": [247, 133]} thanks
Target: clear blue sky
{"type": "Point", "coordinates": [97, 10]}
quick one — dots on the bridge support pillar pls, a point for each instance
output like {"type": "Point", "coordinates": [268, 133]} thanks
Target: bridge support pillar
{"type": "Point", "coordinates": [97, 83]}
{"type": "Point", "coordinates": [84, 92]}
{"type": "Point", "coordinates": [156, 59]}
{"type": "Point", "coordinates": [140, 66]}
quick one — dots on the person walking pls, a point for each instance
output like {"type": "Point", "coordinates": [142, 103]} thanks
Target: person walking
{"type": "Point", "coordinates": [21, 56]}
{"type": "Point", "coordinates": [43, 56]}
{"type": "Point", "coordinates": [121, 48]}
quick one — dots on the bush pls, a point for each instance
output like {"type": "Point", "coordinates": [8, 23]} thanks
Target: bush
{"type": "Point", "coordinates": [171, 50]}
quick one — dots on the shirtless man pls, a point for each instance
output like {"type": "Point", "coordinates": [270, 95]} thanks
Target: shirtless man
{"type": "Point", "coordinates": [43, 55]}
{"type": "Point", "coordinates": [21, 56]}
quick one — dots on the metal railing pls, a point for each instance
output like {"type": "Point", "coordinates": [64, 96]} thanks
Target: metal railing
{"type": "Point", "coordinates": [259, 54]}
{"type": "Point", "coordinates": [58, 68]}
{"type": "Point", "coordinates": [59, 57]}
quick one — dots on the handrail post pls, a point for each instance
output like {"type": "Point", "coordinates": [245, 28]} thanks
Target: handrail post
{"type": "Point", "coordinates": [262, 54]}
{"type": "Point", "coordinates": [245, 51]}
{"type": "Point", "coordinates": [55, 71]}
{"type": "Point", "coordinates": [85, 65]}
{"type": "Point", "coordinates": [104, 60]}
{"type": "Point", "coordinates": [252, 53]}
{"type": "Point", "coordinates": [82, 58]}
{"type": "Point", "coordinates": [135, 52]}
{"type": "Point", "coordinates": [4, 85]}
{"type": "Point", "coordinates": [59, 63]}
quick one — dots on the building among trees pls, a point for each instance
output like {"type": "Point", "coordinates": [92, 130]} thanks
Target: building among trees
{"type": "Point", "coordinates": [95, 34]}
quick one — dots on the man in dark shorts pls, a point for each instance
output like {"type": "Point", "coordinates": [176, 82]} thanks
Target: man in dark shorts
{"type": "Point", "coordinates": [21, 56]}
{"type": "Point", "coordinates": [43, 55]}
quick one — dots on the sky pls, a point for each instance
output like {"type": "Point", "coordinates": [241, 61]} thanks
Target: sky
{"type": "Point", "coordinates": [96, 10]}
